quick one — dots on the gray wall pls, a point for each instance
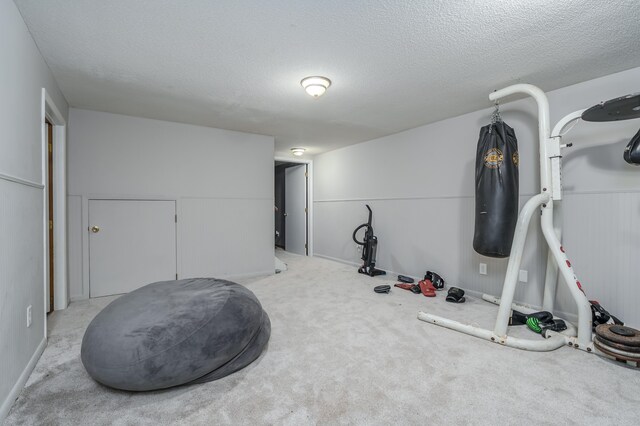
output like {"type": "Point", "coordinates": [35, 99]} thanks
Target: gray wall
{"type": "Point", "coordinates": [23, 74]}
{"type": "Point", "coordinates": [222, 181]}
{"type": "Point", "coordinates": [420, 184]}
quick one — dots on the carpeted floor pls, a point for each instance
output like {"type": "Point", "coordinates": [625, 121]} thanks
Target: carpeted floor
{"type": "Point", "coordinates": [341, 354]}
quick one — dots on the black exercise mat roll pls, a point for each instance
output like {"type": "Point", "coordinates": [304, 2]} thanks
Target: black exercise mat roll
{"type": "Point", "coordinates": [496, 190]}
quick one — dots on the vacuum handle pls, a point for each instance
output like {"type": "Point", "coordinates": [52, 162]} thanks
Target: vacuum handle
{"type": "Point", "coordinates": [370, 214]}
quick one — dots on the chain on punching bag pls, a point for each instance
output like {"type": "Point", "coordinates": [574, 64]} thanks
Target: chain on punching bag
{"type": "Point", "coordinates": [496, 190]}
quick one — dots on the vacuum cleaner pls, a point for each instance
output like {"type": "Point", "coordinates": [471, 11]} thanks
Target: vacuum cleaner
{"type": "Point", "coordinates": [369, 249]}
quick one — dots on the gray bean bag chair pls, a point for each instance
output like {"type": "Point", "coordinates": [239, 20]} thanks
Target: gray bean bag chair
{"type": "Point", "coordinates": [172, 333]}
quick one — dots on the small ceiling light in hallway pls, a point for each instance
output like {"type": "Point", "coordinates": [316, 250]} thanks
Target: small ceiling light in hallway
{"type": "Point", "coordinates": [315, 85]}
{"type": "Point", "coordinates": [297, 151]}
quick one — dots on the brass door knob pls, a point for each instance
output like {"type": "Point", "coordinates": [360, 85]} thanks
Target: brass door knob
{"type": "Point", "coordinates": [95, 229]}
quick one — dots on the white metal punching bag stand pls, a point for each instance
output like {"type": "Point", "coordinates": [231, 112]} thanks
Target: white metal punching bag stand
{"type": "Point", "coordinates": [550, 191]}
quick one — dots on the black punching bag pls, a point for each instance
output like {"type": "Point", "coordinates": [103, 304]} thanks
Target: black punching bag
{"type": "Point", "coordinates": [496, 190]}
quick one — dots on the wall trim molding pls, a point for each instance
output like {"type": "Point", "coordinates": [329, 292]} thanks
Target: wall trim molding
{"type": "Point", "coordinates": [21, 181]}
{"type": "Point", "coordinates": [157, 197]}
{"type": "Point", "coordinates": [22, 380]}
{"type": "Point", "coordinates": [434, 197]}
{"type": "Point", "coordinates": [601, 192]}
{"type": "Point", "coordinates": [226, 198]}
{"type": "Point", "coordinates": [448, 197]}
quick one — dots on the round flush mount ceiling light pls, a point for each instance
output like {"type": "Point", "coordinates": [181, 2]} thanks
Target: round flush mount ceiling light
{"type": "Point", "coordinates": [315, 85]}
{"type": "Point", "coordinates": [297, 151]}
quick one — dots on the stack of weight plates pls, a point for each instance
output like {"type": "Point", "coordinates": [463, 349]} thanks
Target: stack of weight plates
{"type": "Point", "coordinates": [618, 342]}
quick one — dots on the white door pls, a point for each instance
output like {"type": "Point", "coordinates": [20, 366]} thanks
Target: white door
{"type": "Point", "coordinates": [131, 243]}
{"type": "Point", "coordinates": [295, 206]}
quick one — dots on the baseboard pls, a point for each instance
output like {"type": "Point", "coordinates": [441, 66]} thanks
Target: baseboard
{"type": "Point", "coordinates": [572, 318]}
{"type": "Point", "coordinates": [250, 274]}
{"type": "Point", "coordinates": [22, 380]}
{"type": "Point", "coordinates": [335, 259]}
{"type": "Point", "coordinates": [358, 265]}
{"type": "Point", "coordinates": [77, 298]}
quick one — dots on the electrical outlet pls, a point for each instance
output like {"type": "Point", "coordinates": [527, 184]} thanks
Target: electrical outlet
{"type": "Point", "coordinates": [483, 269]}
{"type": "Point", "coordinates": [523, 276]}
{"type": "Point", "coordinates": [29, 316]}
{"type": "Point", "coordinates": [358, 247]}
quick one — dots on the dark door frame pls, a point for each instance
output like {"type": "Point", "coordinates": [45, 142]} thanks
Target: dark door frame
{"type": "Point", "coordinates": [50, 216]}
{"type": "Point", "coordinates": [280, 200]}
{"type": "Point", "coordinates": [309, 196]}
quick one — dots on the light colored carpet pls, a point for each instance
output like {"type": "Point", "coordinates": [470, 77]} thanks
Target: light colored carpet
{"type": "Point", "coordinates": [341, 354]}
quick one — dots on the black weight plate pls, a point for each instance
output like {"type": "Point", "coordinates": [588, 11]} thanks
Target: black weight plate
{"type": "Point", "coordinates": [604, 331]}
{"type": "Point", "coordinates": [627, 348]}
{"type": "Point", "coordinates": [609, 352]}
{"type": "Point", "coordinates": [621, 330]}
{"type": "Point", "coordinates": [623, 108]}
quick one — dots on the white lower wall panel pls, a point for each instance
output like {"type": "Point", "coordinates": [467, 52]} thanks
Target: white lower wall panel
{"type": "Point", "coordinates": [225, 237]}
{"type": "Point", "coordinates": [416, 235]}
{"type": "Point", "coordinates": [601, 236]}
{"type": "Point", "coordinates": [602, 239]}
{"type": "Point", "coordinates": [74, 237]}
{"type": "Point", "coordinates": [21, 279]}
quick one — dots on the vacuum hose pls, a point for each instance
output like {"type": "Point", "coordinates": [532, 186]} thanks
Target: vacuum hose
{"type": "Point", "coordinates": [368, 234]}
{"type": "Point", "coordinates": [356, 231]}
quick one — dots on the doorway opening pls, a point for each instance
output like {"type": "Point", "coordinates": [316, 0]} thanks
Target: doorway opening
{"type": "Point", "coordinates": [54, 198]}
{"type": "Point", "coordinates": [49, 185]}
{"type": "Point", "coordinates": [292, 206]}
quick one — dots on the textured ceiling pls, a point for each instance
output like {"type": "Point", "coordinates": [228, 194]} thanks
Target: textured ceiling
{"type": "Point", "coordinates": [395, 64]}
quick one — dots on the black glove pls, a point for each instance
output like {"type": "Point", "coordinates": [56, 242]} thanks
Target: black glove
{"type": "Point", "coordinates": [436, 280]}
{"type": "Point", "coordinates": [518, 318]}
{"type": "Point", "coordinates": [599, 315]}
{"type": "Point", "coordinates": [455, 295]}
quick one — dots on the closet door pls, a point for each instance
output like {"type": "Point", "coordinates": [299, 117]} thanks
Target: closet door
{"type": "Point", "coordinates": [131, 243]}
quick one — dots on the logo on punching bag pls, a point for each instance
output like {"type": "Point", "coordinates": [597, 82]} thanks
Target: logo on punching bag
{"type": "Point", "coordinates": [493, 158]}
{"type": "Point", "coordinates": [516, 158]}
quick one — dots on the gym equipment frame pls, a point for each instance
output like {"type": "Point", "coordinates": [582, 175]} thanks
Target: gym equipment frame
{"type": "Point", "coordinates": [550, 191]}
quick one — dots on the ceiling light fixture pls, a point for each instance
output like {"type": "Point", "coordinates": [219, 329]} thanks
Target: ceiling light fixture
{"type": "Point", "coordinates": [297, 151]}
{"type": "Point", "coordinates": [315, 85]}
